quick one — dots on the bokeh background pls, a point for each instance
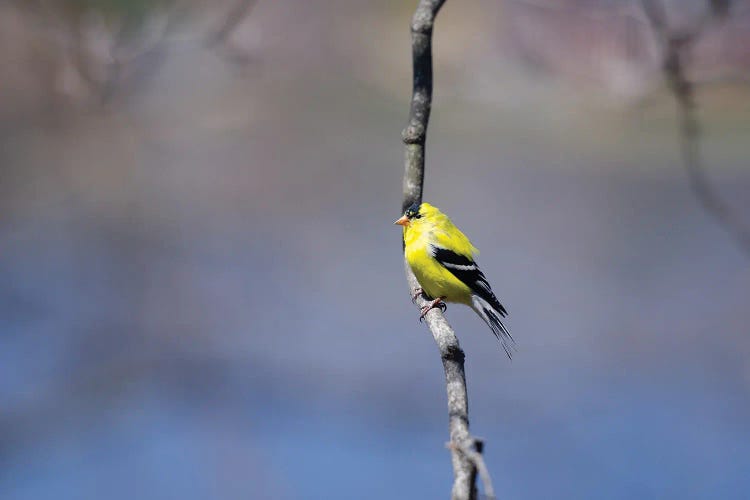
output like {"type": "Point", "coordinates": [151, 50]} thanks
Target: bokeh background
{"type": "Point", "coordinates": [202, 294]}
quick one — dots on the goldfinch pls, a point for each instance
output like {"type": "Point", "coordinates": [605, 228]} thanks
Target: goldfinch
{"type": "Point", "coordinates": [442, 259]}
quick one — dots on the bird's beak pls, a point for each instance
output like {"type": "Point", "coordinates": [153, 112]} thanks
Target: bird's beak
{"type": "Point", "coordinates": [403, 221]}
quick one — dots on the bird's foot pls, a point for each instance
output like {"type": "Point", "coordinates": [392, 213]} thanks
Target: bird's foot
{"type": "Point", "coordinates": [437, 303]}
{"type": "Point", "coordinates": [415, 294]}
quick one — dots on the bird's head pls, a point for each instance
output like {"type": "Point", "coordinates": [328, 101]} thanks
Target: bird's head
{"type": "Point", "coordinates": [415, 214]}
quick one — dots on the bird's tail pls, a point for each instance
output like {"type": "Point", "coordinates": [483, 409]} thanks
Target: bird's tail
{"type": "Point", "coordinates": [492, 316]}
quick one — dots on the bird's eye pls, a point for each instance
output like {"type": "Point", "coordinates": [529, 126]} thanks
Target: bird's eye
{"type": "Point", "coordinates": [417, 216]}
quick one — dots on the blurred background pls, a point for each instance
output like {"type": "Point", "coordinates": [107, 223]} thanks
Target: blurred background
{"type": "Point", "coordinates": [202, 292]}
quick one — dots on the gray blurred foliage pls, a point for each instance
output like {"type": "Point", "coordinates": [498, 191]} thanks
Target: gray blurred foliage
{"type": "Point", "coordinates": [179, 234]}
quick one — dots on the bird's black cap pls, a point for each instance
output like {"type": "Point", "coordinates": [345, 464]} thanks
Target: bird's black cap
{"type": "Point", "coordinates": [412, 210]}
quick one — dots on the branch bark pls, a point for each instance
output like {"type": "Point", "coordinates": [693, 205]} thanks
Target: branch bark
{"type": "Point", "coordinates": [675, 47]}
{"type": "Point", "coordinates": [473, 451]}
{"type": "Point", "coordinates": [464, 459]}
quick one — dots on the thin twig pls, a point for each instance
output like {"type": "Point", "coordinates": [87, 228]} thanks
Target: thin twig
{"type": "Point", "coordinates": [232, 20]}
{"type": "Point", "coordinates": [79, 53]}
{"type": "Point", "coordinates": [451, 354]}
{"type": "Point", "coordinates": [472, 450]}
{"type": "Point", "coordinates": [675, 50]}
{"type": "Point", "coordinates": [124, 58]}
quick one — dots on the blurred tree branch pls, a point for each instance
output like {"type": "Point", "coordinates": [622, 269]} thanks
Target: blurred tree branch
{"type": "Point", "coordinates": [220, 39]}
{"type": "Point", "coordinates": [466, 450]}
{"type": "Point", "coordinates": [675, 47]}
{"type": "Point", "coordinates": [112, 45]}
{"type": "Point", "coordinates": [124, 58]}
{"type": "Point", "coordinates": [232, 20]}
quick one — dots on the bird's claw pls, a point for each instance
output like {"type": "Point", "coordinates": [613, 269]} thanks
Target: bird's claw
{"type": "Point", "coordinates": [437, 303]}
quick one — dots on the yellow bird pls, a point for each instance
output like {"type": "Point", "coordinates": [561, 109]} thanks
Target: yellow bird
{"type": "Point", "coordinates": [442, 259]}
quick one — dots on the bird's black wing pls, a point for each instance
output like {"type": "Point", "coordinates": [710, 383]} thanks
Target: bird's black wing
{"type": "Point", "coordinates": [466, 270]}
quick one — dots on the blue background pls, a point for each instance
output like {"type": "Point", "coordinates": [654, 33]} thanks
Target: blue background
{"type": "Point", "coordinates": [202, 294]}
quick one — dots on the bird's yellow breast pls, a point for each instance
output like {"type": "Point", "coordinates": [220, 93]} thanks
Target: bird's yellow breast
{"type": "Point", "coordinates": [435, 280]}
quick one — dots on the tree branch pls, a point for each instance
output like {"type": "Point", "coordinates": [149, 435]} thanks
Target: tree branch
{"type": "Point", "coordinates": [451, 354]}
{"type": "Point", "coordinates": [233, 19]}
{"type": "Point", "coordinates": [675, 49]}
{"type": "Point", "coordinates": [220, 39]}
{"type": "Point", "coordinates": [472, 450]}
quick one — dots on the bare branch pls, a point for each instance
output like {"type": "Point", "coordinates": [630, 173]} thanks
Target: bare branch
{"type": "Point", "coordinates": [473, 451]}
{"type": "Point", "coordinates": [220, 41]}
{"type": "Point", "coordinates": [126, 58]}
{"type": "Point", "coordinates": [415, 133]}
{"type": "Point", "coordinates": [232, 20]}
{"type": "Point", "coordinates": [451, 354]}
{"type": "Point", "coordinates": [79, 53]}
{"type": "Point", "coordinates": [675, 51]}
